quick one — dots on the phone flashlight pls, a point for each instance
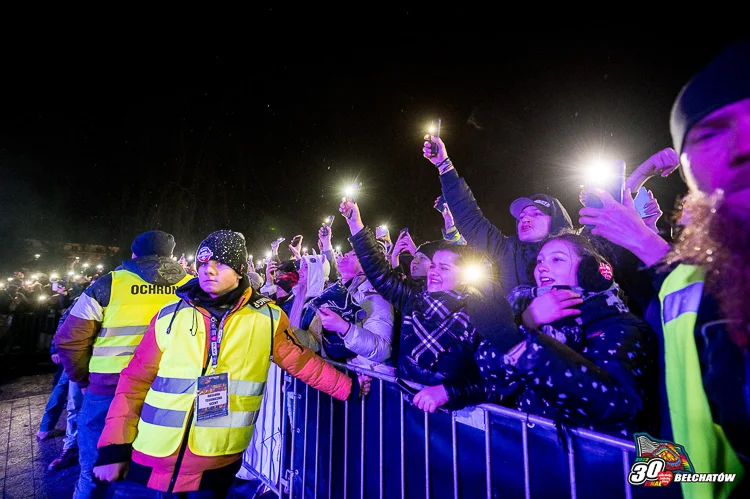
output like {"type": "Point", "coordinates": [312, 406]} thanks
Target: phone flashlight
{"type": "Point", "coordinates": [435, 132]}
{"type": "Point", "coordinates": [352, 191]}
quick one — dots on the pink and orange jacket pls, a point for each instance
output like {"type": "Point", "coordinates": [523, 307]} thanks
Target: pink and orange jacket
{"type": "Point", "coordinates": [115, 444]}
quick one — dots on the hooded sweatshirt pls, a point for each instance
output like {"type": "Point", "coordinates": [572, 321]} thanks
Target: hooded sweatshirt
{"type": "Point", "coordinates": [76, 336]}
{"type": "Point", "coordinates": [515, 259]}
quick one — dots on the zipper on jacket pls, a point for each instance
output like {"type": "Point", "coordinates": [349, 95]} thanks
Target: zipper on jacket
{"type": "Point", "coordinates": [184, 444]}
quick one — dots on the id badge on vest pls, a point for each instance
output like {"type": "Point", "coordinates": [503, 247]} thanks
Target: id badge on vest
{"type": "Point", "coordinates": [213, 389]}
{"type": "Point", "coordinates": [213, 396]}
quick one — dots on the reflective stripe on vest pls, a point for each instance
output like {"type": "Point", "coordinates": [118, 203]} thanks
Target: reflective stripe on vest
{"type": "Point", "coordinates": [169, 405]}
{"type": "Point", "coordinates": [692, 422]}
{"type": "Point", "coordinates": [132, 305]}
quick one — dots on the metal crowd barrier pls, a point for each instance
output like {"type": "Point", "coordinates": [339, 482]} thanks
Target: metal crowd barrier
{"type": "Point", "coordinates": [383, 447]}
{"type": "Point", "coordinates": [28, 333]}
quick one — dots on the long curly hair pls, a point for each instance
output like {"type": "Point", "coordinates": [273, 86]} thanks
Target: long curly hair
{"type": "Point", "coordinates": [718, 239]}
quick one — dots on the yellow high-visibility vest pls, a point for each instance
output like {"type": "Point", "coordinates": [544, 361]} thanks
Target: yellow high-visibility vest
{"type": "Point", "coordinates": [169, 407]}
{"type": "Point", "coordinates": [132, 304]}
{"type": "Point", "coordinates": [692, 423]}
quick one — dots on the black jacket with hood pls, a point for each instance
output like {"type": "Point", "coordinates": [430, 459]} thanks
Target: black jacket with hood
{"type": "Point", "coordinates": [515, 259]}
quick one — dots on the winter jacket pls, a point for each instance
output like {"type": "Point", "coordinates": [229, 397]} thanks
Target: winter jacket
{"type": "Point", "coordinates": [514, 258]}
{"type": "Point", "coordinates": [370, 338]}
{"type": "Point", "coordinates": [76, 336]}
{"type": "Point", "coordinates": [198, 472]}
{"type": "Point", "coordinates": [456, 370]}
{"type": "Point", "coordinates": [603, 381]}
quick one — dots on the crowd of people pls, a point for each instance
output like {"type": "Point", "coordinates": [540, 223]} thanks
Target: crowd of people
{"type": "Point", "coordinates": [599, 321]}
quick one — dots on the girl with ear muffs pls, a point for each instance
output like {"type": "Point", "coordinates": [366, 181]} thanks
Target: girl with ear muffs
{"type": "Point", "coordinates": [586, 360]}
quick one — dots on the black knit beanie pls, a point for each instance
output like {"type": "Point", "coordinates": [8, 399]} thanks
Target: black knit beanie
{"type": "Point", "coordinates": [224, 246]}
{"type": "Point", "coordinates": [153, 242]}
{"type": "Point", "coordinates": [724, 81]}
{"type": "Point", "coordinates": [429, 248]}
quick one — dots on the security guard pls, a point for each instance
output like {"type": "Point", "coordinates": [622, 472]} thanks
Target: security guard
{"type": "Point", "coordinates": [97, 340]}
{"type": "Point", "coordinates": [186, 405]}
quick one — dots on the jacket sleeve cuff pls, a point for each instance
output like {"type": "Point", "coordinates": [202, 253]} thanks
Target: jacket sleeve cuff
{"type": "Point", "coordinates": [114, 453]}
{"type": "Point", "coordinates": [354, 394]}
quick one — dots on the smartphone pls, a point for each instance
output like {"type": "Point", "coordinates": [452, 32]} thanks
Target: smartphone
{"type": "Point", "coordinates": [329, 221]}
{"type": "Point", "coordinates": [281, 240]}
{"type": "Point", "coordinates": [405, 230]}
{"type": "Point", "coordinates": [440, 203]}
{"type": "Point", "coordinates": [640, 202]}
{"type": "Point", "coordinates": [435, 132]}
{"type": "Point", "coordinates": [296, 240]}
{"type": "Point", "coordinates": [55, 287]}
{"type": "Point", "coordinates": [613, 181]}
{"type": "Point", "coordinates": [356, 186]}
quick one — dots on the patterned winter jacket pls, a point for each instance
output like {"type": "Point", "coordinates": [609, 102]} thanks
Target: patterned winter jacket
{"type": "Point", "coordinates": [605, 380]}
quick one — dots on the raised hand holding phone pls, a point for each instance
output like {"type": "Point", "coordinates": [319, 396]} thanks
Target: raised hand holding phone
{"type": "Point", "coordinates": [608, 177]}
{"type": "Point", "coordinates": [324, 238]}
{"type": "Point", "coordinates": [434, 148]}
{"type": "Point", "coordinates": [435, 133]}
{"type": "Point", "coordinates": [403, 243]}
{"type": "Point", "coordinates": [350, 211]}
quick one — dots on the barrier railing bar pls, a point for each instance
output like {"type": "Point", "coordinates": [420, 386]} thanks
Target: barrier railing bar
{"type": "Point", "coordinates": [382, 483]}
{"type": "Point", "coordinates": [487, 449]}
{"type": "Point", "coordinates": [550, 425]}
{"type": "Point", "coordinates": [317, 444]}
{"type": "Point", "coordinates": [427, 455]}
{"type": "Point", "coordinates": [282, 474]}
{"type": "Point", "coordinates": [511, 413]}
{"type": "Point", "coordinates": [362, 454]}
{"type": "Point", "coordinates": [526, 471]}
{"type": "Point", "coordinates": [330, 453]}
{"type": "Point", "coordinates": [626, 472]}
{"type": "Point", "coordinates": [304, 443]}
{"type": "Point", "coordinates": [572, 468]}
{"type": "Point", "coordinates": [295, 429]}
{"type": "Point", "coordinates": [454, 444]}
{"type": "Point", "coordinates": [346, 447]}
{"type": "Point", "coordinates": [273, 488]}
{"type": "Point", "coordinates": [403, 451]}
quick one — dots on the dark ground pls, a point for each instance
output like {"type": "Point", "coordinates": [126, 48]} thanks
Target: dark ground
{"type": "Point", "coordinates": [24, 460]}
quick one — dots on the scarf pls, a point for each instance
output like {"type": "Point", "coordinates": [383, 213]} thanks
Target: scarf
{"type": "Point", "coordinates": [569, 330]}
{"type": "Point", "coordinates": [218, 306]}
{"type": "Point", "coordinates": [436, 315]}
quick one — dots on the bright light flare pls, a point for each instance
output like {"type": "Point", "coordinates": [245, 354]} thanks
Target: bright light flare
{"type": "Point", "coordinates": [598, 172]}
{"type": "Point", "coordinates": [474, 273]}
{"type": "Point", "coordinates": [269, 254]}
{"type": "Point", "coordinates": [37, 256]}
{"type": "Point", "coordinates": [42, 298]}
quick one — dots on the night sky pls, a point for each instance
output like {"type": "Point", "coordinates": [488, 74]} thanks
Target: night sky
{"type": "Point", "coordinates": [98, 148]}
